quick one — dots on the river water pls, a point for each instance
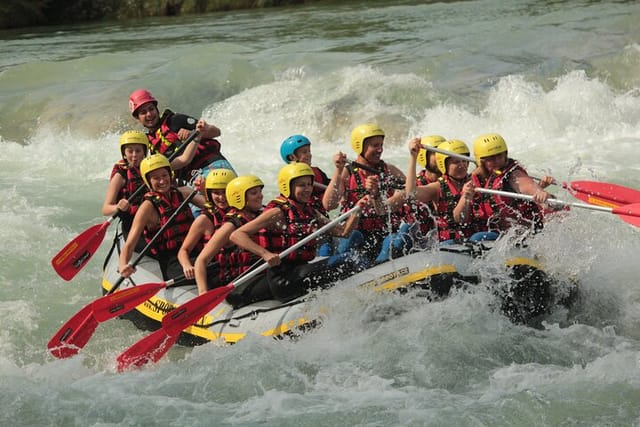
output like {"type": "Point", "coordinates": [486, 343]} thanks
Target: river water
{"type": "Point", "coordinates": [559, 80]}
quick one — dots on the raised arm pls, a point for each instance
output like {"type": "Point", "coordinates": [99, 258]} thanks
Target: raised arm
{"type": "Point", "coordinates": [336, 187]}
{"type": "Point", "coordinates": [410, 181]}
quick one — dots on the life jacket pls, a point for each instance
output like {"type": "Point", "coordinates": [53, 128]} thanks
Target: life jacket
{"type": "Point", "coordinates": [165, 141]}
{"type": "Point", "coordinates": [238, 260]}
{"type": "Point", "coordinates": [133, 181]}
{"type": "Point", "coordinates": [215, 215]}
{"type": "Point", "coordinates": [173, 236]}
{"type": "Point", "coordinates": [318, 193]}
{"type": "Point", "coordinates": [299, 223]}
{"type": "Point", "coordinates": [504, 212]}
{"type": "Point", "coordinates": [419, 212]}
{"type": "Point", "coordinates": [422, 179]}
{"type": "Point", "coordinates": [370, 221]}
{"type": "Point", "coordinates": [448, 200]}
{"type": "Point", "coordinates": [320, 178]}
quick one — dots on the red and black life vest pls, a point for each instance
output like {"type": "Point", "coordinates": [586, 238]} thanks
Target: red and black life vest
{"type": "Point", "coordinates": [318, 193]}
{"type": "Point", "coordinates": [173, 236]}
{"type": "Point", "coordinates": [165, 141]}
{"type": "Point", "coordinates": [133, 181]}
{"type": "Point", "coordinates": [504, 212]}
{"type": "Point", "coordinates": [422, 178]}
{"type": "Point", "coordinates": [448, 200]}
{"type": "Point", "coordinates": [215, 215]}
{"type": "Point", "coordinates": [299, 223]}
{"type": "Point", "coordinates": [370, 221]}
{"type": "Point", "coordinates": [320, 178]}
{"type": "Point", "coordinates": [419, 212]}
{"type": "Point", "coordinates": [238, 260]}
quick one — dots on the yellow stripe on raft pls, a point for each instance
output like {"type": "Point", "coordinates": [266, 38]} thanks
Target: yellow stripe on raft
{"type": "Point", "coordinates": [155, 308]}
{"type": "Point", "coordinates": [523, 261]}
{"type": "Point", "coordinates": [414, 277]}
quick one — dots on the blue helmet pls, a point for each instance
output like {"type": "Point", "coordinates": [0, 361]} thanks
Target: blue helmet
{"type": "Point", "coordinates": [291, 144]}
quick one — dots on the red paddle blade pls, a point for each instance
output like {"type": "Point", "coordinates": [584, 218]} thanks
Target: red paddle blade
{"type": "Point", "coordinates": [79, 251]}
{"type": "Point", "coordinates": [121, 302]}
{"type": "Point", "coordinates": [74, 334]}
{"type": "Point", "coordinates": [152, 347]}
{"type": "Point", "coordinates": [629, 213]}
{"type": "Point", "coordinates": [149, 349]}
{"type": "Point", "coordinates": [604, 194]}
{"type": "Point", "coordinates": [188, 313]}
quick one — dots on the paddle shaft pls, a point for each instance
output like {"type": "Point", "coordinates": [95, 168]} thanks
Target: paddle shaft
{"type": "Point", "coordinates": [604, 196]}
{"type": "Point", "coordinates": [550, 201]}
{"type": "Point", "coordinates": [154, 239]}
{"type": "Point", "coordinates": [461, 157]}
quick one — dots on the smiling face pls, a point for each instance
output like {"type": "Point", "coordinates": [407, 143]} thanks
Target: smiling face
{"type": "Point", "coordinates": [302, 189]}
{"type": "Point", "coordinates": [148, 115]}
{"type": "Point", "coordinates": [219, 198]}
{"type": "Point", "coordinates": [373, 149]}
{"type": "Point", "coordinates": [160, 180]}
{"type": "Point", "coordinates": [303, 154]}
{"type": "Point", "coordinates": [253, 199]}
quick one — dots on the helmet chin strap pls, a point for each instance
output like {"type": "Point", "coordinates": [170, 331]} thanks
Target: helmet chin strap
{"type": "Point", "coordinates": [373, 165]}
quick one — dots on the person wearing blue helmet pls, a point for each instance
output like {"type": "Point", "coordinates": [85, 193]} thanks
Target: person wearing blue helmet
{"type": "Point", "coordinates": [297, 148]}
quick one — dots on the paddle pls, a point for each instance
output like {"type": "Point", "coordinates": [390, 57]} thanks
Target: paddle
{"type": "Point", "coordinates": [592, 192]}
{"type": "Point", "coordinates": [628, 213]}
{"type": "Point", "coordinates": [75, 255]}
{"type": "Point", "coordinates": [153, 346]}
{"type": "Point", "coordinates": [604, 194]}
{"type": "Point", "coordinates": [76, 332]}
{"type": "Point", "coordinates": [116, 304]}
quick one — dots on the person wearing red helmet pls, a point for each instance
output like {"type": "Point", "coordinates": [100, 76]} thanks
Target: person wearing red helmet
{"type": "Point", "coordinates": [165, 133]}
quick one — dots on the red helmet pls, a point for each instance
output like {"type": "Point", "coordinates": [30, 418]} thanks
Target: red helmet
{"type": "Point", "coordinates": [138, 98]}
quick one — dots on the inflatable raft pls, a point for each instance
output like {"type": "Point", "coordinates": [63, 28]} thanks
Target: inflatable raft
{"type": "Point", "coordinates": [523, 291]}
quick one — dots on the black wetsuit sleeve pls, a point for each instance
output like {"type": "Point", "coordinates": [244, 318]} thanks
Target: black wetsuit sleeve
{"type": "Point", "coordinates": [181, 121]}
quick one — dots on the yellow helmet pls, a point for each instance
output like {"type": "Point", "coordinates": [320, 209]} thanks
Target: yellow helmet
{"type": "Point", "coordinates": [290, 172]}
{"type": "Point", "coordinates": [488, 145]}
{"type": "Point", "coordinates": [237, 189]}
{"type": "Point", "coordinates": [454, 146]}
{"type": "Point", "coordinates": [362, 132]}
{"type": "Point", "coordinates": [131, 137]}
{"type": "Point", "coordinates": [217, 179]}
{"type": "Point", "coordinates": [431, 141]}
{"type": "Point", "coordinates": [151, 163]}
